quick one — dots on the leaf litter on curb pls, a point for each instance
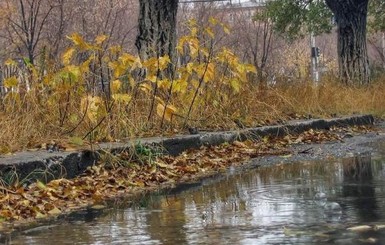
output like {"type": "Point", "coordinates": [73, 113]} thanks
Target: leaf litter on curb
{"type": "Point", "coordinates": [105, 180]}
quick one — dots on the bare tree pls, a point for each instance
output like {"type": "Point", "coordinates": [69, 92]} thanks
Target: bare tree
{"type": "Point", "coordinates": [26, 22]}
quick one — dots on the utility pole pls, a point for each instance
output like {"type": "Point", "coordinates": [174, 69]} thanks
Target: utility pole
{"type": "Point", "coordinates": [314, 58]}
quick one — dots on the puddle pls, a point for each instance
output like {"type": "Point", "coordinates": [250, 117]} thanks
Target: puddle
{"type": "Point", "coordinates": [299, 203]}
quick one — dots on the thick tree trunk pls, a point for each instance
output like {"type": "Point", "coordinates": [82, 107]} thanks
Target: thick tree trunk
{"type": "Point", "coordinates": [157, 29]}
{"type": "Point", "coordinates": [351, 17]}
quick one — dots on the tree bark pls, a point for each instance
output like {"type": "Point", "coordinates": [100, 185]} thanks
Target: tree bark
{"type": "Point", "coordinates": [157, 29]}
{"type": "Point", "coordinates": [351, 18]}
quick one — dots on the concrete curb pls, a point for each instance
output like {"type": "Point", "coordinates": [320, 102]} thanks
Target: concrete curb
{"type": "Point", "coordinates": [44, 166]}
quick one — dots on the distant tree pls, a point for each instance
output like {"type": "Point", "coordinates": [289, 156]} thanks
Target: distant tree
{"type": "Point", "coordinates": [297, 17]}
{"type": "Point", "coordinates": [376, 23]}
{"type": "Point", "coordinates": [261, 45]}
{"type": "Point", "coordinates": [26, 23]}
{"type": "Point", "coordinates": [377, 15]}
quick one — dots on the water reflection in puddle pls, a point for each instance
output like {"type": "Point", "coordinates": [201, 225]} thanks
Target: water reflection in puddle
{"type": "Point", "coordinates": [306, 203]}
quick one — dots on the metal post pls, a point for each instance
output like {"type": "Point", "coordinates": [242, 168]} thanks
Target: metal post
{"type": "Point", "coordinates": [314, 59]}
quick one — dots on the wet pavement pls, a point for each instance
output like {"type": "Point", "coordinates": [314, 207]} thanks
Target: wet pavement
{"type": "Point", "coordinates": [305, 202]}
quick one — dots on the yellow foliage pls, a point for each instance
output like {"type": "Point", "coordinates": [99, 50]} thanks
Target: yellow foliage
{"type": "Point", "coordinates": [168, 111]}
{"type": "Point", "coordinates": [151, 78]}
{"type": "Point", "coordinates": [90, 105]}
{"type": "Point", "coordinates": [100, 39]}
{"type": "Point", "coordinates": [210, 32]}
{"type": "Point", "coordinates": [11, 82]}
{"type": "Point", "coordinates": [206, 71]}
{"type": "Point", "coordinates": [115, 49]}
{"type": "Point", "coordinates": [115, 86]}
{"type": "Point", "coordinates": [10, 62]}
{"type": "Point", "coordinates": [78, 41]}
{"type": "Point", "coordinates": [122, 98]}
{"type": "Point", "coordinates": [164, 62]}
{"type": "Point", "coordinates": [85, 66]}
{"type": "Point", "coordinates": [124, 64]}
{"type": "Point", "coordinates": [118, 69]}
{"type": "Point", "coordinates": [194, 47]}
{"type": "Point", "coordinates": [192, 22]}
{"type": "Point", "coordinates": [190, 67]}
{"type": "Point", "coordinates": [72, 72]}
{"type": "Point", "coordinates": [235, 85]}
{"type": "Point", "coordinates": [210, 73]}
{"type": "Point", "coordinates": [127, 60]}
{"type": "Point", "coordinates": [213, 21]}
{"type": "Point", "coordinates": [145, 87]}
{"type": "Point", "coordinates": [226, 29]}
{"type": "Point", "coordinates": [154, 64]}
{"type": "Point", "coordinates": [164, 83]}
{"type": "Point", "coordinates": [180, 85]}
{"type": "Point", "coordinates": [67, 56]}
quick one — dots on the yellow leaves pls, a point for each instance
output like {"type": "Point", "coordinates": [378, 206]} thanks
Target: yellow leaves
{"type": "Point", "coordinates": [154, 64]}
{"type": "Point", "coordinates": [115, 86]}
{"type": "Point", "coordinates": [164, 83]}
{"type": "Point", "coordinates": [360, 228]}
{"type": "Point", "coordinates": [115, 50]}
{"type": "Point", "coordinates": [210, 72]}
{"type": "Point", "coordinates": [191, 42]}
{"type": "Point", "coordinates": [54, 211]}
{"type": "Point", "coordinates": [85, 66]}
{"type": "Point", "coordinates": [118, 69]}
{"type": "Point", "coordinates": [226, 56]}
{"type": "Point", "coordinates": [11, 82]}
{"type": "Point", "coordinates": [145, 87]}
{"type": "Point", "coordinates": [194, 47]}
{"type": "Point", "coordinates": [40, 215]}
{"type": "Point", "coordinates": [206, 72]}
{"type": "Point", "coordinates": [40, 185]}
{"type": "Point", "coordinates": [209, 32]}
{"type": "Point", "coordinates": [168, 111]}
{"type": "Point", "coordinates": [79, 42]}
{"type": "Point", "coordinates": [100, 39]}
{"type": "Point", "coordinates": [122, 98]}
{"type": "Point", "coordinates": [226, 29]}
{"type": "Point", "coordinates": [190, 67]}
{"type": "Point", "coordinates": [119, 97]}
{"type": "Point", "coordinates": [76, 141]}
{"type": "Point", "coordinates": [67, 56]}
{"type": "Point", "coordinates": [213, 21]}
{"type": "Point", "coordinates": [249, 68]}
{"type": "Point", "coordinates": [98, 207]}
{"type": "Point", "coordinates": [192, 22]}
{"type": "Point", "coordinates": [124, 64]}
{"type": "Point", "coordinates": [90, 106]}
{"type": "Point", "coordinates": [127, 59]}
{"type": "Point", "coordinates": [10, 62]}
{"type": "Point", "coordinates": [72, 73]}
{"type": "Point", "coordinates": [235, 85]}
{"type": "Point", "coordinates": [164, 62]}
{"type": "Point", "coordinates": [194, 32]}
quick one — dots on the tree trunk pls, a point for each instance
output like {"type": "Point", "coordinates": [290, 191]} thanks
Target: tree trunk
{"type": "Point", "coordinates": [351, 17]}
{"type": "Point", "coordinates": [157, 29]}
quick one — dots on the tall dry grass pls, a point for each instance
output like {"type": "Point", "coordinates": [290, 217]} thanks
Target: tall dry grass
{"type": "Point", "coordinates": [31, 120]}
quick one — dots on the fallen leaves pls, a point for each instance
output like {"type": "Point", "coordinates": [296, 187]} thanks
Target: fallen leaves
{"type": "Point", "coordinates": [360, 228]}
{"type": "Point", "coordinates": [101, 182]}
